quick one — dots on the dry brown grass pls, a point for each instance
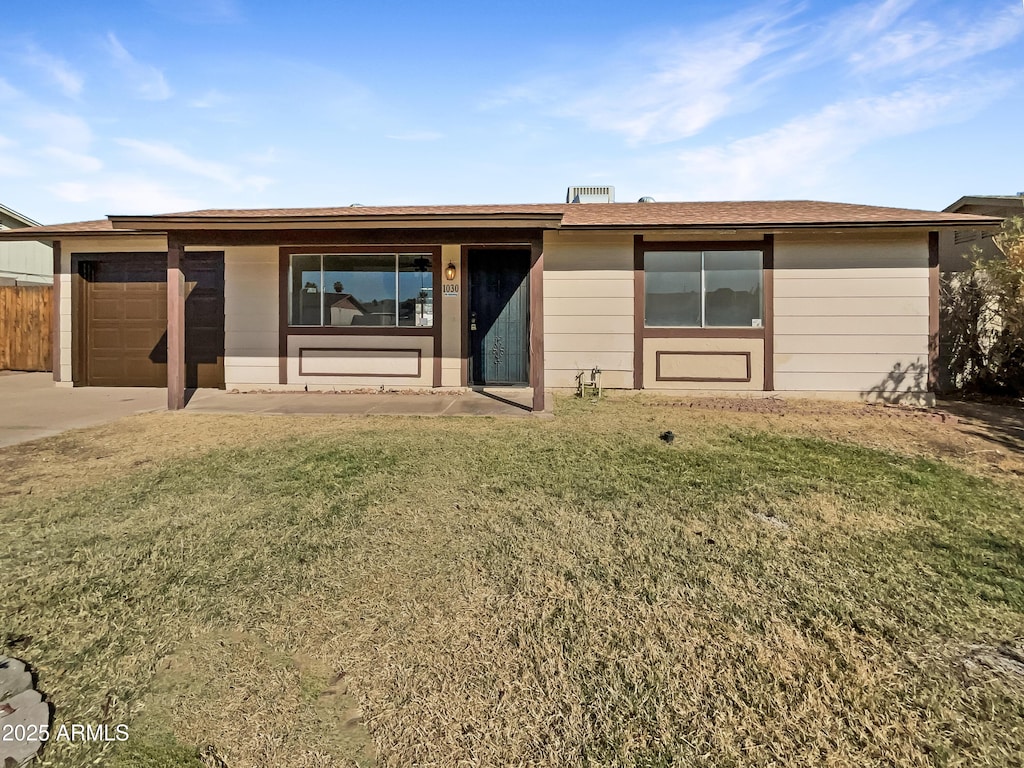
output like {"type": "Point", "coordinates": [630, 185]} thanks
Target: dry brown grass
{"type": "Point", "coordinates": [773, 589]}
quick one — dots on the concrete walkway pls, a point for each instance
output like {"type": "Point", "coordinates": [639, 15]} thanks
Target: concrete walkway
{"type": "Point", "coordinates": [32, 406]}
{"type": "Point", "coordinates": [492, 402]}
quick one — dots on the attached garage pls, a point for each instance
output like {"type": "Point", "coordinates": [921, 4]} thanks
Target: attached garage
{"type": "Point", "coordinates": [121, 322]}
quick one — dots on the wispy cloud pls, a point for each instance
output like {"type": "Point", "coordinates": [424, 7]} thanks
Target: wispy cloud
{"type": "Point", "coordinates": [162, 153]}
{"type": "Point", "coordinates": [200, 11]}
{"type": "Point", "coordinates": [125, 194]}
{"type": "Point", "coordinates": [148, 81]}
{"type": "Point", "coordinates": [7, 91]}
{"type": "Point", "coordinates": [58, 129]}
{"type": "Point", "coordinates": [11, 162]}
{"type": "Point", "coordinates": [928, 46]}
{"type": "Point", "coordinates": [74, 160]}
{"type": "Point", "coordinates": [212, 98]}
{"type": "Point", "coordinates": [56, 69]}
{"type": "Point", "coordinates": [677, 87]}
{"type": "Point", "coordinates": [417, 136]}
{"type": "Point", "coordinates": [671, 89]}
{"type": "Point", "coordinates": [805, 150]}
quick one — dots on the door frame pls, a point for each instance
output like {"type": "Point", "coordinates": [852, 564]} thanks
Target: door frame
{"type": "Point", "coordinates": [466, 290]}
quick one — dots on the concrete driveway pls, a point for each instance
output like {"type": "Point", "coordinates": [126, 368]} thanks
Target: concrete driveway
{"type": "Point", "coordinates": [32, 406]}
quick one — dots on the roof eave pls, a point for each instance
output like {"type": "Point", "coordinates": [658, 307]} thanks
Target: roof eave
{"type": "Point", "coordinates": [978, 222]}
{"type": "Point", "coordinates": [19, 216]}
{"type": "Point", "coordinates": [49, 235]}
{"type": "Point", "coordinates": [422, 221]}
{"type": "Point", "coordinates": [1009, 201]}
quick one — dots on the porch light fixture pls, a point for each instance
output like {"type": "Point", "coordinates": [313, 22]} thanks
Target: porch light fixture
{"type": "Point", "coordinates": [449, 272]}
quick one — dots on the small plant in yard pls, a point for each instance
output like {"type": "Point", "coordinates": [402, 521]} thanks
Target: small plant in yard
{"type": "Point", "coordinates": [766, 589]}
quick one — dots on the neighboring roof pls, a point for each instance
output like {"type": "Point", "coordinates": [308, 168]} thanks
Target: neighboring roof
{"type": "Point", "coordinates": [774, 214]}
{"type": "Point", "coordinates": [18, 216]}
{"type": "Point", "coordinates": [991, 205]}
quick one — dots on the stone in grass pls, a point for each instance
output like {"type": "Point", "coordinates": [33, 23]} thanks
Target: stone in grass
{"type": "Point", "coordinates": [24, 715]}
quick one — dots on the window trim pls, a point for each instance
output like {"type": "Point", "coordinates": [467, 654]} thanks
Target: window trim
{"type": "Point", "coordinates": [703, 249]}
{"type": "Point", "coordinates": [373, 330]}
{"type": "Point", "coordinates": [285, 330]}
{"type": "Point", "coordinates": [766, 332]}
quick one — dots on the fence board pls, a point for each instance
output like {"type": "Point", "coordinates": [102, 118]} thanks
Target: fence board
{"type": "Point", "coordinates": [25, 327]}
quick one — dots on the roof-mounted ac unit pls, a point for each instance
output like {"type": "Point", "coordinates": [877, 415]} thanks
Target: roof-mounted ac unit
{"type": "Point", "coordinates": [590, 195]}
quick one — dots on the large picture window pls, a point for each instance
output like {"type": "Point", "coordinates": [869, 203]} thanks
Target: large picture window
{"type": "Point", "coordinates": [388, 290]}
{"type": "Point", "coordinates": [703, 289]}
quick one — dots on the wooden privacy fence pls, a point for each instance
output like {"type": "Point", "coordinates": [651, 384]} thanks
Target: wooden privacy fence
{"type": "Point", "coordinates": [25, 326]}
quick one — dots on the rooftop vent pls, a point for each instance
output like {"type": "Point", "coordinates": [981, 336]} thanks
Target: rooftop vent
{"type": "Point", "coordinates": [646, 199]}
{"type": "Point", "coordinates": [590, 195]}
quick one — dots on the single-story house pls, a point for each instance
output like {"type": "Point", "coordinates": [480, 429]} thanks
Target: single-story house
{"type": "Point", "coordinates": [25, 262]}
{"type": "Point", "coordinates": [783, 297]}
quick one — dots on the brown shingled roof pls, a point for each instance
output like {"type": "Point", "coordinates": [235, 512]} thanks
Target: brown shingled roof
{"type": "Point", "coordinates": [552, 209]}
{"type": "Point", "coordinates": [697, 215]}
{"type": "Point", "coordinates": [772, 213]}
{"type": "Point", "coordinates": [748, 214]}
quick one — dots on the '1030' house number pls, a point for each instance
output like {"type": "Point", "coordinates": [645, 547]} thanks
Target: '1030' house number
{"type": "Point", "coordinates": [450, 289]}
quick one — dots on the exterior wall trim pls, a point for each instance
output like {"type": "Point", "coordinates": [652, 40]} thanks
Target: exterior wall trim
{"type": "Point", "coordinates": [660, 353]}
{"type": "Point", "coordinates": [536, 321]}
{"type": "Point", "coordinates": [768, 287]}
{"type": "Point", "coordinates": [55, 312]}
{"type": "Point", "coordinates": [933, 310]}
{"type": "Point", "coordinates": [419, 362]}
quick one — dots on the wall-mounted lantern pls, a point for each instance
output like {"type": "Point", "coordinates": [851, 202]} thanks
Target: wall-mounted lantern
{"type": "Point", "coordinates": [449, 272]}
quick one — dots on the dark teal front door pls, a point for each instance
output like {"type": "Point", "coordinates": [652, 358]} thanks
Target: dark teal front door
{"type": "Point", "coordinates": [499, 321]}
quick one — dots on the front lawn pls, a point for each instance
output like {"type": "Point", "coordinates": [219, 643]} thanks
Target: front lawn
{"type": "Point", "coordinates": [781, 589]}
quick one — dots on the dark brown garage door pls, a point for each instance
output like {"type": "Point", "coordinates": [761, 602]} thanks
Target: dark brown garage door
{"type": "Point", "coordinates": [122, 320]}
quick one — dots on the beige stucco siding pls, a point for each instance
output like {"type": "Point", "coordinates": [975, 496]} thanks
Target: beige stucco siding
{"type": "Point", "coordinates": [588, 307]}
{"type": "Point", "coordinates": [251, 317]}
{"type": "Point", "coordinates": [851, 313]}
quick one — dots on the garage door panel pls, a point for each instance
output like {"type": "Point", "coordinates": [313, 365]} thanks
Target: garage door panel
{"type": "Point", "coordinates": [125, 319]}
{"type": "Point", "coordinates": [107, 308]}
{"type": "Point", "coordinates": [106, 338]}
{"type": "Point", "coordinates": [146, 310]}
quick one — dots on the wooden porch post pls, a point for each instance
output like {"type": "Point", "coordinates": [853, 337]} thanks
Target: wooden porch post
{"type": "Point", "coordinates": [537, 324]}
{"type": "Point", "coordinates": [933, 311]}
{"type": "Point", "coordinates": [175, 326]}
{"type": "Point", "coordinates": [55, 313]}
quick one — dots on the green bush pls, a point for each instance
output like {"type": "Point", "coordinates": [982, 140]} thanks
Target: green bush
{"type": "Point", "coordinates": [983, 318]}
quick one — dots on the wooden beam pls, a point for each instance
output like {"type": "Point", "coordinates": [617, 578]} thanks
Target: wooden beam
{"type": "Point", "coordinates": [175, 326]}
{"type": "Point", "coordinates": [638, 311]}
{"type": "Point", "coordinates": [537, 324]}
{"type": "Point", "coordinates": [55, 309]}
{"type": "Point", "coordinates": [933, 310]}
{"type": "Point", "coordinates": [332, 237]}
{"type": "Point", "coordinates": [769, 312]}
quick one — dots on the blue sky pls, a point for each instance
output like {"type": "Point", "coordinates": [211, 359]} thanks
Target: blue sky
{"type": "Point", "coordinates": [157, 106]}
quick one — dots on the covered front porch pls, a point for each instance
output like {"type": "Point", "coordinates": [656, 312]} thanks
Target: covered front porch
{"type": "Point", "coordinates": [308, 308]}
